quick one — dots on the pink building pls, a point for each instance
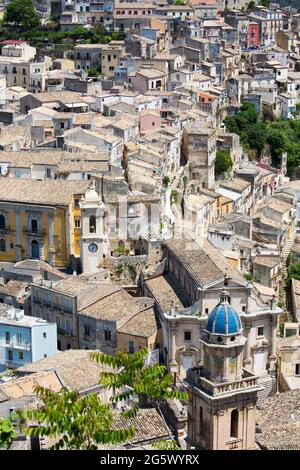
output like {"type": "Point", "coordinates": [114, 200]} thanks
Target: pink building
{"type": "Point", "coordinates": [253, 35]}
{"type": "Point", "coordinates": [149, 121]}
{"type": "Point", "coordinates": [134, 9]}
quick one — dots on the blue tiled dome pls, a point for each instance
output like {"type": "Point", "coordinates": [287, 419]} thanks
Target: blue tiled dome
{"type": "Point", "coordinates": [223, 319]}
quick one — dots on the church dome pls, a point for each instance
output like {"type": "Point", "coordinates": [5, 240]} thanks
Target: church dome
{"type": "Point", "coordinates": [224, 319]}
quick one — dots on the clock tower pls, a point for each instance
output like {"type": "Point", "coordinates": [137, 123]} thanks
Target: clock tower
{"type": "Point", "coordinates": [92, 215]}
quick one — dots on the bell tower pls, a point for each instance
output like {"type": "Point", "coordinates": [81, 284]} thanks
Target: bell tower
{"type": "Point", "coordinates": [222, 394]}
{"type": "Point", "coordinates": [92, 216]}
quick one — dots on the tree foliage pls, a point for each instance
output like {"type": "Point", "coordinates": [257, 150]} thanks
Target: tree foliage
{"type": "Point", "coordinates": [74, 422]}
{"type": "Point", "coordinates": [294, 271]}
{"type": "Point", "coordinates": [265, 3]}
{"type": "Point", "coordinates": [21, 13]}
{"type": "Point", "coordinates": [84, 422]}
{"type": "Point", "coordinates": [7, 433]}
{"type": "Point", "coordinates": [223, 162]}
{"type": "Point", "coordinates": [281, 135]}
{"type": "Point", "coordinates": [153, 382]}
{"type": "Point", "coordinates": [250, 6]}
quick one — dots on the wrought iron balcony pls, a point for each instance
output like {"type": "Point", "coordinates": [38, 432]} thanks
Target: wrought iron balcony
{"type": "Point", "coordinates": [34, 232]}
{"type": "Point", "coordinates": [6, 230]}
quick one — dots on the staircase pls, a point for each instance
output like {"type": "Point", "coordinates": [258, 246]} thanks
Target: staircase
{"type": "Point", "coordinates": [285, 291]}
{"type": "Point", "coordinates": [270, 387]}
{"type": "Point", "coordinates": [284, 255]}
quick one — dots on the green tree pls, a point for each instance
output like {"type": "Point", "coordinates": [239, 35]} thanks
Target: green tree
{"type": "Point", "coordinates": [84, 422]}
{"type": "Point", "coordinates": [7, 433]}
{"type": "Point", "coordinates": [265, 3]}
{"type": "Point", "coordinates": [21, 13]}
{"type": "Point", "coordinates": [223, 161]}
{"type": "Point", "coordinates": [257, 137]}
{"type": "Point", "coordinates": [166, 181]}
{"type": "Point", "coordinates": [277, 141]}
{"type": "Point", "coordinates": [250, 6]}
{"type": "Point", "coordinates": [294, 271]}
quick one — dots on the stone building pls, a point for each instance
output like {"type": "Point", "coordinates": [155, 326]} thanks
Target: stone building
{"type": "Point", "coordinates": [199, 149]}
{"type": "Point", "coordinates": [38, 220]}
{"type": "Point", "coordinates": [222, 394]}
{"type": "Point", "coordinates": [185, 285]}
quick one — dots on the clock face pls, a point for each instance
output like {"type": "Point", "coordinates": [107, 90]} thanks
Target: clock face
{"type": "Point", "coordinates": [93, 247]}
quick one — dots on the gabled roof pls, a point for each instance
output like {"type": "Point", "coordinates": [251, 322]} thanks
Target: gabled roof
{"type": "Point", "coordinates": [205, 263]}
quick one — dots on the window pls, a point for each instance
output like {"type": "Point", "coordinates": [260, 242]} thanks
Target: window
{"type": "Point", "coordinates": [48, 173]}
{"type": "Point", "coordinates": [19, 338]}
{"type": "Point", "coordinates": [107, 335]}
{"type": "Point", "coordinates": [297, 369]}
{"type": "Point", "coordinates": [187, 336]}
{"type": "Point", "coordinates": [58, 322]}
{"type": "Point", "coordinates": [86, 330]}
{"type": "Point", "coordinates": [92, 224]}
{"type": "Point", "coordinates": [7, 337]}
{"type": "Point", "coordinates": [260, 331]}
{"type": "Point", "coordinates": [10, 355]}
{"type": "Point", "coordinates": [76, 202]}
{"type": "Point", "coordinates": [21, 356]}
{"type": "Point", "coordinates": [44, 335]}
{"type": "Point", "coordinates": [34, 225]}
{"type": "Point", "coordinates": [2, 245]}
{"type": "Point", "coordinates": [2, 221]}
{"type": "Point", "coordinates": [77, 223]}
{"type": "Point", "coordinates": [45, 355]}
{"type": "Point", "coordinates": [68, 325]}
{"type": "Point", "coordinates": [68, 305]}
{"type": "Point", "coordinates": [206, 311]}
{"type": "Point", "coordinates": [130, 347]}
{"type": "Point", "coordinates": [200, 419]}
{"type": "Point", "coordinates": [234, 423]}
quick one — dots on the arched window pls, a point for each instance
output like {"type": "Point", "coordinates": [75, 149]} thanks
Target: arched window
{"type": "Point", "coordinates": [234, 423]}
{"type": "Point", "coordinates": [2, 221]}
{"type": "Point", "coordinates": [92, 224]}
{"type": "Point", "coordinates": [2, 245]}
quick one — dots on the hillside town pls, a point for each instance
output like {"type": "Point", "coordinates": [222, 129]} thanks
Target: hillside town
{"type": "Point", "coordinates": [150, 201]}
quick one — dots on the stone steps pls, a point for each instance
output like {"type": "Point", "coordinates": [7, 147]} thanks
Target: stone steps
{"type": "Point", "coordinates": [270, 387]}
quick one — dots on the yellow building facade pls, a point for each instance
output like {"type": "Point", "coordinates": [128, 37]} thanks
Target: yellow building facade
{"type": "Point", "coordinates": [41, 224]}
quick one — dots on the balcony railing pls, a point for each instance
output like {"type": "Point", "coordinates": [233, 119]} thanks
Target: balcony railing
{"type": "Point", "coordinates": [15, 345]}
{"type": "Point", "coordinates": [6, 230]}
{"type": "Point", "coordinates": [194, 377]}
{"type": "Point", "coordinates": [12, 364]}
{"type": "Point", "coordinates": [64, 331]}
{"type": "Point", "coordinates": [34, 232]}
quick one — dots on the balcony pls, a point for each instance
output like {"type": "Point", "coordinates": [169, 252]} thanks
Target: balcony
{"type": "Point", "coordinates": [7, 230]}
{"type": "Point", "coordinates": [12, 364]}
{"type": "Point", "coordinates": [34, 232]}
{"type": "Point", "coordinates": [64, 331]}
{"type": "Point", "coordinates": [22, 346]}
{"type": "Point", "coordinates": [194, 378]}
